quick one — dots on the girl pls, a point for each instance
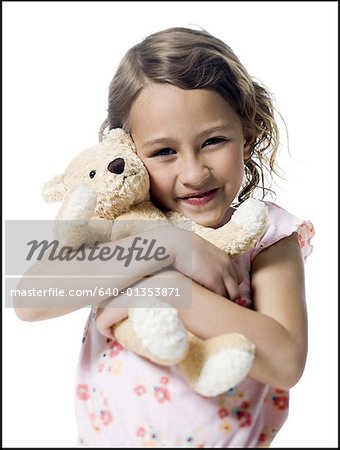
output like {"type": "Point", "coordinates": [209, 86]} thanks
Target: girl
{"type": "Point", "coordinates": [206, 133]}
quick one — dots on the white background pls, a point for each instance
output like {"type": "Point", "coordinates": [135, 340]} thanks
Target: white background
{"type": "Point", "coordinates": [59, 58]}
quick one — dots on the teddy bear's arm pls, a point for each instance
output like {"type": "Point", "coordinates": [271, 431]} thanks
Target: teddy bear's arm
{"type": "Point", "coordinates": [142, 217]}
{"type": "Point", "coordinates": [238, 235]}
{"type": "Point", "coordinates": [74, 225]}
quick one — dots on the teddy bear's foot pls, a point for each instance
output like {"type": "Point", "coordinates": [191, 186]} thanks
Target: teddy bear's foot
{"type": "Point", "coordinates": [216, 365]}
{"type": "Point", "coordinates": [161, 332]}
{"type": "Point", "coordinates": [155, 332]}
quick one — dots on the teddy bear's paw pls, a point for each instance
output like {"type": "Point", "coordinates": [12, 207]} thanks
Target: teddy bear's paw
{"type": "Point", "coordinates": [223, 371]}
{"type": "Point", "coordinates": [252, 216]}
{"type": "Point", "coordinates": [80, 204]}
{"type": "Point", "coordinates": [160, 331]}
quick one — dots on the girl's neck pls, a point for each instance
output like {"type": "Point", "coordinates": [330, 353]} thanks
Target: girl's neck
{"type": "Point", "coordinates": [226, 218]}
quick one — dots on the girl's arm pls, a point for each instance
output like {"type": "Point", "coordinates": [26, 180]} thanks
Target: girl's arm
{"type": "Point", "coordinates": [99, 277]}
{"type": "Point", "coordinates": [96, 278]}
{"type": "Point", "coordinates": [278, 327]}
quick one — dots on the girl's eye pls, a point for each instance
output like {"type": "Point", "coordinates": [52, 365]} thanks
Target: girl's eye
{"type": "Point", "coordinates": [92, 174]}
{"type": "Point", "coordinates": [163, 152]}
{"type": "Point", "coordinates": [214, 141]}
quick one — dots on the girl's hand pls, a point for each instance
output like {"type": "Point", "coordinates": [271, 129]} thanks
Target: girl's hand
{"type": "Point", "coordinates": [209, 266]}
{"type": "Point", "coordinates": [107, 316]}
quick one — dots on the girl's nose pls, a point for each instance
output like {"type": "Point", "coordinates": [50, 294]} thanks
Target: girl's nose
{"type": "Point", "coordinates": [194, 171]}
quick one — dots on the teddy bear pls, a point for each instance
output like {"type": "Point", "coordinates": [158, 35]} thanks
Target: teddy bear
{"type": "Point", "coordinates": [105, 197]}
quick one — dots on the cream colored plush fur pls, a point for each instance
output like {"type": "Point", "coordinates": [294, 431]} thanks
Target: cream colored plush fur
{"type": "Point", "coordinates": [109, 181]}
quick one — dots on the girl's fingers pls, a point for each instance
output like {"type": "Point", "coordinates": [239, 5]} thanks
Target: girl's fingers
{"type": "Point", "coordinates": [232, 288]}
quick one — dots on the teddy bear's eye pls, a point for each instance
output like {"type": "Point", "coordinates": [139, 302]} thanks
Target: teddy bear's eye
{"type": "Point", "coordinates": [92, 173]}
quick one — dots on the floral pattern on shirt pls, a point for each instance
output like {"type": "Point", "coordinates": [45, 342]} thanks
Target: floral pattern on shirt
{"type": "Point", "coordinates": [97, 406]}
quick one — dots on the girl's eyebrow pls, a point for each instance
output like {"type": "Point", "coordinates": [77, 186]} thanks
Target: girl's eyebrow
{"type": "Point", "coordinates": [158, 141]}
{"type": "Point", "coordinates": [170, 141]}
{"type": "Point", "coordinates": [216, 128]}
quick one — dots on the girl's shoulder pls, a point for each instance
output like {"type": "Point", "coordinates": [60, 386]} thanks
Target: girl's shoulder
{"type": "Point", "coordinates": [281, 224]}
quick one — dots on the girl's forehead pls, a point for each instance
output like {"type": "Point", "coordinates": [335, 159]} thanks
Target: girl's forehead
{"type": "Point", "coordinates": [167, 106]}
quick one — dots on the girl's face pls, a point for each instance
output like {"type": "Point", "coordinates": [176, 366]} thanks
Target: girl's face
{"type": "Point", "coordinates": [193, 146]}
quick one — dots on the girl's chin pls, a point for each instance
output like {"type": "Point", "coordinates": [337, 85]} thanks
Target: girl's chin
{"type": "Point", "coordinates": [205, 220]}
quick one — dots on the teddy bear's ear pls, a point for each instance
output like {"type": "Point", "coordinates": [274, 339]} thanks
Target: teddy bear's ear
{"type": "Point", "coordinates": [115, 134]}
{"type": "Point", "coordinates": [54, 190]}
{"type": "Point", "coordinates": [119, 136]}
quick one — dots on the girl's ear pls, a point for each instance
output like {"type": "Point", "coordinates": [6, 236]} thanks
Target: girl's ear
{"type": "Point", "coordinates": [54, 190]}
{"type": "Point", "coordinates": [249, 141]}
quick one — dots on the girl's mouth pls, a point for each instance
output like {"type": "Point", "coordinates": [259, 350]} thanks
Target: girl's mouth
{"type": "Point", "coordinates": [200, 198]}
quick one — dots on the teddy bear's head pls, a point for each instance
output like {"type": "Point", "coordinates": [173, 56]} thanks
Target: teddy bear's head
{"type": "Point", "coordinates": [111, 169]}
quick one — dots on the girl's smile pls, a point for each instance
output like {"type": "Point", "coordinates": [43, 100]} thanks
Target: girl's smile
{"type": "Point", "coordinates": [193, 146]}
{"type": "Point", "coordinates": [200, 198]}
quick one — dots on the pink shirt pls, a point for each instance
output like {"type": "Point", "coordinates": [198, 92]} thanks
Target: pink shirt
{"type": "Point", "coordinates": [123, 400]}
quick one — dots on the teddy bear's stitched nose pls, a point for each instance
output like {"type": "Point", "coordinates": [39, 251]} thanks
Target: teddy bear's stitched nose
{"type": "Point", "coordinates": [116, 166]}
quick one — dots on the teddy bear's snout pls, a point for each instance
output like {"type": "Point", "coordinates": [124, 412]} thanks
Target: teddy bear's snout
{"type": "Point", "coordinates": [116, 166]}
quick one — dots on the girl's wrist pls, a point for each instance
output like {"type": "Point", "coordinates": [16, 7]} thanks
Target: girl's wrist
{"type": "Point", "coordinates": [180, 245]}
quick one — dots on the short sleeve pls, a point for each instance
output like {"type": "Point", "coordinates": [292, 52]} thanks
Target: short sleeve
{"type": "Point", "coordinates": [281, 224]}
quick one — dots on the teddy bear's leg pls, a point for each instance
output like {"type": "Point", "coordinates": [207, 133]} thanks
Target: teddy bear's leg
{"type": "Point", "coordinates": [215, 365]}
{"type": "Point", "coordinates": [155, 332]}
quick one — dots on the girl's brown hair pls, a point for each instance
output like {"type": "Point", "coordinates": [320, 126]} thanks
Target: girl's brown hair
{"type": "Point", "coordinates": [194, 59]}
